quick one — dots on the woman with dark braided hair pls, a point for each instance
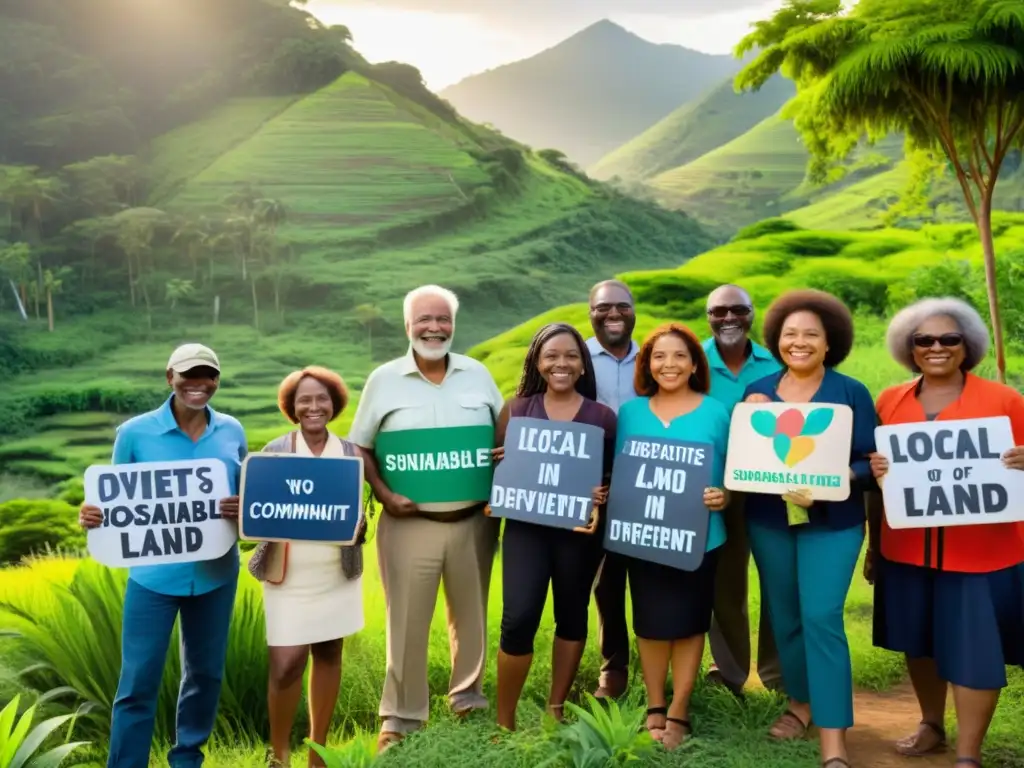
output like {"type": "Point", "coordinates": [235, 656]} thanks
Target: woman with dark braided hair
{"type": "Point", "coordinates": [557, 384]}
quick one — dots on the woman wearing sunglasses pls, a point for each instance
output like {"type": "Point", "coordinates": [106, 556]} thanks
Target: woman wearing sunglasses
{"type": "Point", "coordinates": [950, 599]}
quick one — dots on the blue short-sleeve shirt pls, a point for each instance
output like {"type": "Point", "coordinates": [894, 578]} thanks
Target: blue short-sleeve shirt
{"type": "Point", "coordinates": [707, 423]}
{"type": "Point", "coordinates": [156, 436]}
{"type": "Point", "coordinates": [728, 387]}
{"type": "Point", "coordinates": [614, 376]}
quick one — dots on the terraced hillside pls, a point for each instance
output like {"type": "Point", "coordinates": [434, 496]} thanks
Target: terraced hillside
{"type": "Point", "coordinates": [696, 128]}
{"type": "Point", "coordinates": [874, 272]}
{"type": "Point", "coordinates": [380, 195]}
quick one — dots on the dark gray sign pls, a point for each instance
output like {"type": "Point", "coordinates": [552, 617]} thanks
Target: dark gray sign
{"type": "Point", "coordinates": [656, 506]}
{"type": "Point", "coordinates": [549, 472]}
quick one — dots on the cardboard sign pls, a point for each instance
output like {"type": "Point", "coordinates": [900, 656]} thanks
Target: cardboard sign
{"type": "Point", "coordinates": [780, 447]}
{"type": "Point", "coordinates": [285, 497]}
{"type": "Point", "coordinates": [656, 508]}
{"type": "Point", "coordinates": [437, 465]}
{"type": "Point", "coordinates": [159, 512]}
{"type": "Point", "coordinates": [945, 473]}
{"type": "Point", "coordinates": [549, 472]}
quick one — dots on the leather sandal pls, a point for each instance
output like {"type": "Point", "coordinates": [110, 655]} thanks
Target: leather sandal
{"type": "Point", "coordinates": [386, 740]}
{"type": "Point", "coordinates": [656, 731]}
{"type": "Point", "coordinates": [786, 721]}
{"type": "Point", "coordinates": [676, 732]}
{"type": "Point", "coordinates": [835, 761]}
{"type": "Point", "coordinates": [908, 747]}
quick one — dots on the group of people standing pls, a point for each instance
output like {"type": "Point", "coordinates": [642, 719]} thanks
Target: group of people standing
{"type": "Point", "coordinates": [950, 599]}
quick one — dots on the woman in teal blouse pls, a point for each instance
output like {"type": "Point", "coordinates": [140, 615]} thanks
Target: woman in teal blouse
{"type": "Point", "coordinates": [671, 607]}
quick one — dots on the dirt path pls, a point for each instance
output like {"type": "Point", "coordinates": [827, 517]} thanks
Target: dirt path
{"type": "Point", "coordinates": [881, 719]}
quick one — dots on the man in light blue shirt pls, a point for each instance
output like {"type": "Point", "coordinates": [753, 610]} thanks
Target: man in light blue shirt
{"type": "Point", "coordinates": [202, 593]}
{"type": "Point", "coordinates": [613, 353]}
{"type": "Point", "coordinates": [735, 362]}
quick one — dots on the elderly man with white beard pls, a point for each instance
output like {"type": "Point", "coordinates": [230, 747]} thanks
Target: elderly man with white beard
{"type": "Point", "coordinates": [419, 544]}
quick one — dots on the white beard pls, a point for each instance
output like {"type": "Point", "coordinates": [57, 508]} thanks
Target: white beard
{"type": "Point", "coordinates": [431, 352]}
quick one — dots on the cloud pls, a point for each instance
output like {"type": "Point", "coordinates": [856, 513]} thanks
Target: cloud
{"type": "Point", "coordinates": [522, 10]}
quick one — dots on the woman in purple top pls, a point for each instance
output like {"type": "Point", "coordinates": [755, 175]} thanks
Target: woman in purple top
{"type": "Point", "coordinates": [557, 384]}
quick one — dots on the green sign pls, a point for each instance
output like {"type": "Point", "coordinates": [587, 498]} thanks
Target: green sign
{"type": "Point", "coordinates": [437, 465]}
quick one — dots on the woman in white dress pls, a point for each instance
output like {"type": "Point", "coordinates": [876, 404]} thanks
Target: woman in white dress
{"type": "Point", "coordinates": [312, 593]}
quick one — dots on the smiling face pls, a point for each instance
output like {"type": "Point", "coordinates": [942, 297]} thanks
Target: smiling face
{"type": "Point", "coordinates": [671, 363]}
{"type": "Point", "coordinates": [612, 316]}
{"type": "Point", "coordinates": [802, 343]}
{"type": "Point", "coordinates": [313, 406]}
{"type": "Point", "coordinates": [194, 387]}
{"type": "Point", "coordinates": [560, 363]}
{"type": "Point", "coordinates": [939, 349]}
{"type": "Point", "coordinates": [431, 327]}
{"type": "Point", "coordinates": [730, 315]}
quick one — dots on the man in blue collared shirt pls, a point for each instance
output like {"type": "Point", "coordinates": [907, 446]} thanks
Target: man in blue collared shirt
{"type": "Point", "coordinates": [736, 361]}
{"type": "Point", "coordinates": [203, 593]}
{"type": "Point", "coordinates": [613, 352]}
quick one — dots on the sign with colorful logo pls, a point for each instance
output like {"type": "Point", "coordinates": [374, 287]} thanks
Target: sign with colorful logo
{"type": "Point", "coordinates": [780, 447]}
{"type": "Point", "coordinates": [437, 465]}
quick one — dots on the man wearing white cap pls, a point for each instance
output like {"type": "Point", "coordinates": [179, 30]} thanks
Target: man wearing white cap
{"type": "Point", "coordinates": [202, 593]}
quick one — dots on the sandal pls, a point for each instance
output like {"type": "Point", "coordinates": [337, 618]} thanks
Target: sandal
{"type": "Point", "coordinates": [911, 745]}
{"type": "Point", "coordinates": [386, 740]}
{"type": "Point", "coordinates": [676, 732]}
{"type": "Point", "coordinates": [789, 726]}
{"type": "Point", "coordinates": [968, 761]}
{"type": "Point", "coordinates": [838, 761]}
{"type": "Point", "coordinates": [656, 731]}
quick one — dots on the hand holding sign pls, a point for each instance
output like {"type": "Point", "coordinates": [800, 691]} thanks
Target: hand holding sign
{"type": "Point", "coordinates": [229, 508]}
{"type": "Point", "coordinates": [879, 466]}
{"type": "Point", "coordinates": [1014, 458]}
{"type": "Point", "coordinates": [715, 499]}
{"type": "Point", "coordinates": [397, 505]}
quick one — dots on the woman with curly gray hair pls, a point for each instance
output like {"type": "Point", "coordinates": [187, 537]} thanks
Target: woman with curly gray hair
{"type": "Point", "coordinates": [950, 598]}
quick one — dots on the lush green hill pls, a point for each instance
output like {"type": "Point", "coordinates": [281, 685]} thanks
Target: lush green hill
{"type": "Point", "coordinates": [874, 272]}
{"type": "Point", "coordinates": [758, 175]}
{"type": "Point", "coordinates": [694, 129]}
{"type": "Point", "coordinates": [589, 94]}
{"type": "Point", "coordinates": [380, 195]}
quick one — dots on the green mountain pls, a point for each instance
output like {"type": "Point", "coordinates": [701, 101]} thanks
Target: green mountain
{"type": "Point", "coordinates": [694, 129]}
{"type": "Point", "coordinates": [590, 93]}
{"type": "Point", "coordinates": [283, 228]}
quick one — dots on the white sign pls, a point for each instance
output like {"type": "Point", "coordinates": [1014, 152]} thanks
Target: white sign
{"type": "Point", "coordinates": [780, 447]}
{"type": "Point", "coordinates": [945, 473]}
{"type": "Point", "coordinates": [159, 512]}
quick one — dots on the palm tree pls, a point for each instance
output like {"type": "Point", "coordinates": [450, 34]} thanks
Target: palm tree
{"type": "Point", "coordinates": [53, 282]}
{"type": "Point", "coordinates": [176, 290]}
{"type": "Point", "coordinates": [368, 315]}
{"type": "Point", "coordinates": [949, 74]}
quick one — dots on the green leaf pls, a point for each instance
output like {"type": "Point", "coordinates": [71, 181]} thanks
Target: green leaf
{"type": "Point", "coordinates": [56, 756]}
{"type": "Point", "coordinates": [27, 745]}
{"type": "Point", "coordinates": [763, 423]}
{"type": "Point", "coordinates": [817, 421]}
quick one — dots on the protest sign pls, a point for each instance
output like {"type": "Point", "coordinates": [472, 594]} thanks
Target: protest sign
{"type": "Point", "coordinates": [285, 497]}
{"type": "Point", "coordinates": [437, 465]}
{"type": "Point", "coordinates": [944, 473]}
{"type": "Point", "coordinates": [656, 508]}
{"type": "Point", "coordinates": [549, 472]}
{"type": "Point", "coordinates": [780, 447]}
{"type": "Point", "coordinates": [159, 512]}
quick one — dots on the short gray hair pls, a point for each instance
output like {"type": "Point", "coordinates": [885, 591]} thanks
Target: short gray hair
{"type": "Point", "coordinates": [909, 319]}
{"type": "Point", "coordinates": [429, 290]}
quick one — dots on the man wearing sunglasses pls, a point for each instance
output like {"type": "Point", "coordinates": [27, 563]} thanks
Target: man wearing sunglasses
{"type": "Point", "coordinates": [613, 352]}
{"type": "Point", "coordinates": [736, 361]}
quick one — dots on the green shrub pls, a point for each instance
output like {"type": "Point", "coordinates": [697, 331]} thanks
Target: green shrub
{"type": "Point", "coordinates": [810, 244]}
{"type": "Point", "coordinates": [858, 293]}
{"type": "Point", "coordinates": [766, 227]}
{"type": "Point", "coordinates": [31, 526]}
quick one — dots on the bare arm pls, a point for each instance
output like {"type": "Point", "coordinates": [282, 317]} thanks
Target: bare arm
{"type": "Point", "coordinates": [395, 505]}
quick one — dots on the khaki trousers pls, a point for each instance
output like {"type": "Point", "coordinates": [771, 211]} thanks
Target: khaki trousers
{"type": "Point", "coordinates": [730, 625]}
{"type": "Point", "coordinates": [416, 555]}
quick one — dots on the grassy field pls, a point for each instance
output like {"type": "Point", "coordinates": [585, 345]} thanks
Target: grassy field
{"type": "Point", "coordinates": [693, 130]}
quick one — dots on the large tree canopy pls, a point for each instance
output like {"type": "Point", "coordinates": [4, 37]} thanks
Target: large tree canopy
{"type": "Point", "coordinates": [949, 74]}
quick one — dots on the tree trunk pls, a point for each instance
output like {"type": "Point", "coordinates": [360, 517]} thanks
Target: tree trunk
{"type": "Point", "coordinates": [277, 297]}
{"type": "Point", "coordinates": [255, 305]}
{"type": "Point", "coordinates": [988, 248]}
{"type": "Point", "coordinates": [149, 312]}
{"type": "Point", "coordinates": [49, 308]}
{"type": "Point", "coordinates": [131, 280]}
{"type": "Point", "coordinates": [39, 284]}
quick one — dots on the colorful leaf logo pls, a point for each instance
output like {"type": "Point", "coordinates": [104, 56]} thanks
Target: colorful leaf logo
{"type": "Point", "coordinates": [791, 432]}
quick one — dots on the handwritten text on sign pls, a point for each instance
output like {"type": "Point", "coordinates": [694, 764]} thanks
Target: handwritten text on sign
{"type": "Point", "coordinates": [944, 473]}
{"type": "Point", "coordinates": [300, 498]}
{"type": "Point", "coordinates": [549, 472]}
{"type": "Point", "coordinates": [656, 508]}
{"type": "Point", "coordinates": [780, 447]}
{"type": "Point", "coordinates": [159, 512]}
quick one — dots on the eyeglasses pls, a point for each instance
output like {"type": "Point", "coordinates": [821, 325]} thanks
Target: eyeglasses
{"type": "Point", "coordinates": [925, 340]}
{"type": "Point", "coordinates": [604, 309]}
{"type": "Point", "coordinates": [739, 310]}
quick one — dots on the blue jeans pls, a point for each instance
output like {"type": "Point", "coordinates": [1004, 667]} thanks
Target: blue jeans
{"type": "Point", "coordinates": [145, 634]}
{"type": "Point", "coordinates": [805, 576]}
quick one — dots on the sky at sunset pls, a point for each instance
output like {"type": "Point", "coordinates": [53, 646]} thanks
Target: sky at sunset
{"type": "Point", "coordinates": [450, 39]}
